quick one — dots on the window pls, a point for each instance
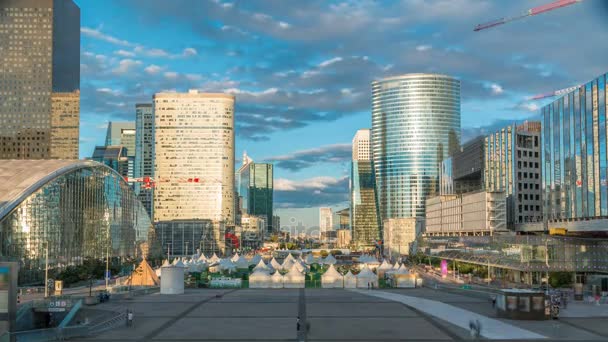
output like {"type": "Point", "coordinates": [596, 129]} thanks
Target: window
{"type": "Point", "coordinates": [535, 154]}
{"type": "Point", "coordinates": [536, 187]}
{"type": "Point", "coordinates": [525, 164]}
{"type": "Point", "coordinates": [525, 185]}
{"type": "Point", "coordinates": [525, 153]}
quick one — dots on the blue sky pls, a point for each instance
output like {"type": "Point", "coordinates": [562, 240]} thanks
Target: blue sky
{"type": "Point", "coordinates": [301, 70]}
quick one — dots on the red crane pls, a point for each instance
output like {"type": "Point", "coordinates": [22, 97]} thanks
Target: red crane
{"type": "Point", "coordinates": [533, 11]}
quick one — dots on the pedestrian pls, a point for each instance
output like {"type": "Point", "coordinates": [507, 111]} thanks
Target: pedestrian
{"type": "Point", "coordinates": [130, 318]}
{"type": "Point", "coordinates": [493, 302]}
{"type": "Point", "coordinates": [368, 285]}
{"type": "Point", "coordinates": [298, 324]}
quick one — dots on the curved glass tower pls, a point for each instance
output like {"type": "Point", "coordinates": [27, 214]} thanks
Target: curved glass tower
{"type": "Point", "coordinates": [415, 124]}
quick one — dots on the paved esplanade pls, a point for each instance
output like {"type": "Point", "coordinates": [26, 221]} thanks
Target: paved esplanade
{"type": "Point", "coordinates": [333, 315]}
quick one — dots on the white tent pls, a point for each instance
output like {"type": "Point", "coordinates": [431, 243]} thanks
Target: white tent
{"type": "Point", "coordinates": [214, 258]}
{"type": "Point", "coordinates": [299, 266]}
{"type": "Point", "coordinates": [350, 281]}
{"type": "Point", "coordinates": [261, 267]}
{"type": "Point", "coordinates": [242, 263]}
{"type": "Point", "coordinates": [385, 266]}
{"type": "Point", "coordinates": [289, 257]}
{"type": "Point", "coordinates": [293, 279]}
{"type": "Point", "coordinates": [166, 263]}
{"type": "Point", "coordinates": [330, 260]}
{"type": "Point", "coordinates": [227, 265]}
{"type": "Point", "coordinates": [332, 278]}
{"type": "Point", "coordinates": [202, 258]}
{"type": "Point", "coordinates": [260, 280]}
{"type": "Point", "coordinates": [365, 277]}
{"type": "Point", "coordinates": [403, 270]}
{"type": "Point", "coordinates": [287, 264]}
{"type": "Point", "coordinates": [179, 263]}
{"type": "Point", "coordinates": [235, 257]}
{"type": "Point", "coordinates": [275, 264]}
{"type": "Point", "coordinates": [396, 265]}
{"type": "Point", "coordinates": [277, 280]}
{"type": "Point", "coordinates": [255, 260]}
{"type": "Point", "coordinates": [310, 259]}
{"type": "Point", "coordinates": [175, 261]}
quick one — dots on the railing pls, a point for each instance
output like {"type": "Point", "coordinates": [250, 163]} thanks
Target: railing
{"type": "Point", "coordinates": [108, 324]}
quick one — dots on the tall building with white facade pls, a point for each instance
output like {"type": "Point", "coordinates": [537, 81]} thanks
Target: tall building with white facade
{"type": "Point", "coordinates": [39, 79]}
{"type": "Point", "coordinates": [326, 222]}
{"type": "Point", "coordinates": [361, 149]}
{"type": "Point", "coordinates": [194, 163]}
{"type": "Point", "coordinates": [144, 153]}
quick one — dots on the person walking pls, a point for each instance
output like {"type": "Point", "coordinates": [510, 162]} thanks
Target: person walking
{"type": "Point", "coordinates": [130, 318]}
{"type": "Point", "coordinates": [298, 324]}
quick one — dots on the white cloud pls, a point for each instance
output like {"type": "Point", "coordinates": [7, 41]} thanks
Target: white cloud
{"type": "Point", "coordinates": [423, 47]}
{"type": "Point", "coordinates": [330, 62]}
{"type": "Point", "coordinates": [284, 25]}
{"type": "Point", "coordinates": [124, 53]}
{"type": "Point", "coordinates": [529, 106]}
{"type": "Point", "coordinates": [317, 183]}
{"type": "Point", "coordinates": [189, 52]}
{"type": "Point", "coordinates": [153, 69]}
{"type": "Point", "coordinates": [97, 34]}
{"type": "Point", "coordinates": [125, 66]}
{"type": "Point", "coordinates": [194, 77]}
{"type": "Point", "coordinates": [496, 89]}
{"type": "Point", "coordinates": [236, 91]}
{"type": "Point", "coordinates": [171, 74]}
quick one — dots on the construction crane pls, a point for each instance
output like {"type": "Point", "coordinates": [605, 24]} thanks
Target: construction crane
{"type": "Point", "coordinates": [532, 11]}
{"type": "Point", "coordinates": [553, 93]}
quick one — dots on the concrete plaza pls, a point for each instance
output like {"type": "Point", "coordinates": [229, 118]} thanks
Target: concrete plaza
{"type": "Point", "coordinates": [333, 315]}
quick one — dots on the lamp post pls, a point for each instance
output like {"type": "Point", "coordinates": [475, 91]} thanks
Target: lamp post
{"type": "Point", "coordinates": [46, 270]}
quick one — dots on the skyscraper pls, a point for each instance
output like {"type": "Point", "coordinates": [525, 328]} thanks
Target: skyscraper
{"type": "Point", "coordinates": [255, 187]}
{"type": "Point", "coordinates": [39, 79]}
{"type": "Point", "coordinates": [415, 124]}
{"type": "Point", "coordinates": [144, 152]}
{"type": "Point", "coordinates": [123, 134]}
{"type": "Point", "coordinates": [194, 164]}
{"type": "Point", "coordinates": [326, 222]}
{"type": "Point", "coordinates": [574, 159]}
{"type": "Point", "coordinates": [363, 205]}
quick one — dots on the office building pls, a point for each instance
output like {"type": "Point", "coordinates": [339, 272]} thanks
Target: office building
{"type": "Point", "coordinates": [255, 189]}
{"type": "Point", "coordinates": [344, 218]}
{"type": "Point", "coordinates": [252, 231]}
{"type": "Point", "coordinates": [326, 222]}
{"type": "Point", "coordinates": [114, 157]}
{"type": "Point", "coordinates": [194, 162]}
{"type": "Point", "coordinates": [144, 153]}
{"type": "Point", "coordinates": [344, 238]}
{"type": "Point", "coordinates": [39, 79]}
{"type": "Point", "coordinates": [512, 165]}
{"type": "Point", "coordinates": [364, 220]}
{"type": "Point", "coordinates": [574, 161]}
{"type": "Point", "coordinates": [77, 209]}
{"type": "Point", "coordinates": [276, 224]}
{"type": "Point", "coordinates": [463, 171]}
{"type": "Point", "coordinates": [400, 236]}
{"type": "Point", "coordinates": [415, 125]}
{"type": "Point", "coordinates": [474, 213]}
{"type": "Point", "coordinates": [123, 134]}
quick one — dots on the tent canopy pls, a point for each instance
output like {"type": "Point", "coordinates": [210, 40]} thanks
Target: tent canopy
{"type": "Point", "coordinates": [261, 267]}
{"type": "Point", "coordinates": [143, 276]}
{"type": "Point", "coordinates": [385, 266]}
{"type": "Point", "coordinates": [330, 260]}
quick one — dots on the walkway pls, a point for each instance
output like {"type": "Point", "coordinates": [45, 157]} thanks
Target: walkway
{"type": "Point", "coordinates": [491, 328]}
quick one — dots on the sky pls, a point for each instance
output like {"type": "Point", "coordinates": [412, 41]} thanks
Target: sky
{"type": "Point", "coordinates": [302, 70]}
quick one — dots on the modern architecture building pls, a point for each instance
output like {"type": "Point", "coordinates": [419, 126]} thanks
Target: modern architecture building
{"type": "Point", "coordinates": [76, 209]}
{"type": "Point", "coordinates": [574, 161]}
{"type": "Point", "coordinates": [123, 134]}
{"type": "Point", "coordinates": [255, 189]}
{"type": "Point", "coordinates": [473, 213]}
{"type": "Point", "coordinates": [415, 125]}
{"type": "Point", "coordinates": [252, 231]}
{"type": "Point", "coordinates": [194, 162]}
{"type": "Point", "coordinates": [463, 171]}
{"type": "Point", "coordinates": [400, 236]}
{"type": "Point", "coordinates": [39, 79]}
{"type": "Point", "coordinates": [326, 221]}
{"type": "Point", "coordinates": [344, 218]}
{"type": "Point", "coordinates": [276, 224]}
{"type": "Point", "coordinates": [512, 165]}
{"type": "Point", "coordinates": [344, 238]}
{"type": "Point", "coordinates": [144, 153]}
{"type": "Point", "coordinates": [114, 157]}
{"type": "Point", "coordinates": [364, 220]}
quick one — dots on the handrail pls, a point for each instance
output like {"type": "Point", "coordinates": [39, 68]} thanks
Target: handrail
{"type": "Point", "coordinates": [68, 318]}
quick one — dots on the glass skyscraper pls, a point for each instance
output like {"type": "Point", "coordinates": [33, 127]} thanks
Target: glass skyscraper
{"type": "Point", "coordinates": [123, 133]}
{"type": "Point", "coordinates": [363, 205]}
{"type": "Point", "coordinates": [255, 187]}
{"type": "Point", "coordinates": [415, 124]}
{"type": "Point", "coordinates": [144, 153]}
{"type": "Point", "coordinates": [574, 157]}
{"type": "Point", "coordinates": [39, 79]}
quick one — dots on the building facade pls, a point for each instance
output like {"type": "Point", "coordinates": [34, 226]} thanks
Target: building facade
{"type": "Point", "coordinates": [344, 238]}
{"type": "Point", "coordinates": [400, 236]}
{"type": "Point", "coordinates": [78, 209]}
{"type": "Point", "coordinates": [326, 221]}
{"type": "Point", "coordinates": [463, 171]}
{"type": "Point", "coordinates": [115, 157]}
{"type": "Point", "coordinates": [123, 134]}
{"type": "Point", "coordinates": [194, 160]}
{"type": "Point", "coordinates": [144, 153]}
{"type": "Point", "coordinates": [415, 124]}
{"type": "Point", "coordinates": [39, 79]}
{"type": "Point", "coordinates": [512, 165]}
{"type": "Point", "coordinates": [364, 220]}
{"type": "Point", "coordinates": [255, 189]}
{"type": "Point", "coordinates": [574, 161]}
{"type": "Point", "coordinates": [474, 213]}
{"type": "Point", "coordinates": [252, 231]}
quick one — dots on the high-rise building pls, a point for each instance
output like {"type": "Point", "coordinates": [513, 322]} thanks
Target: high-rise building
{"type": "Point", "coordinates": [144, 153]}
{"type": "Point", "coordinates": [194, 162]}
{"type": "Point", "coordinates": [255, 189]}
{"type": "Point", "coordinates": [123, 133]}
{"type": "Point", "coordinates": [574, 159]}
{"type": "Point", "coordinates": [463, 171]}
{"type": "Point", "coordinates": [512, 165]}
{"type": "Point", "coordinates": [400, 236]}
{"type": "Point", "coordinates": [39, 79]}
{"type": "Point", "coordinates": [113, 156]}
{"type": "Point", "coordinates": [326, 221]}
{"type": "Point", "coordinates": [415, 125]}
{"type": "Point", "coordinates": [363, 205]}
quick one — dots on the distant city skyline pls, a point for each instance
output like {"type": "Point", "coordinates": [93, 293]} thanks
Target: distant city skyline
{"type": "Point", "coordinates": [302, 86]}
